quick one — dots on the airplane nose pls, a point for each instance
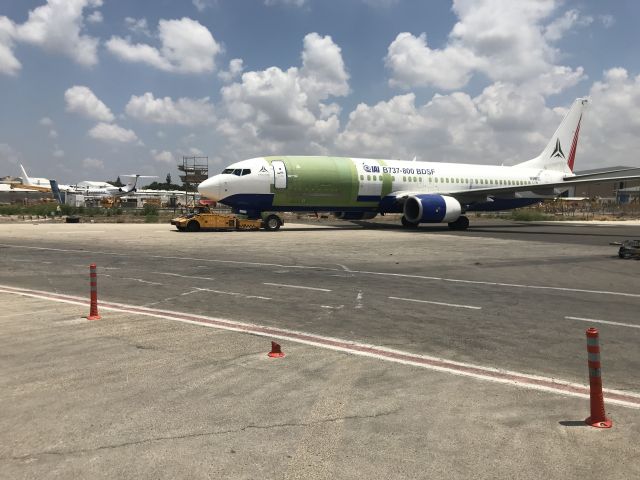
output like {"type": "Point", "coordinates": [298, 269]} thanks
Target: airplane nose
{"type": "Point", "coordinates": [210, 188]}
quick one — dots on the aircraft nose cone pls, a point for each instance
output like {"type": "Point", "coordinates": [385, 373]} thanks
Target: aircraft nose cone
{"type": "Point", "coordinates": [210, 189]}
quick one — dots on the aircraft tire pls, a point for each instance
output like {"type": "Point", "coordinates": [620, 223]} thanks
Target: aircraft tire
{"type": "Point", "coordinates": [462, 223]}
{"type": "Point", "coordinates": [407, 224]}
{"type": "Point", "coordinates": [193, 226]}
{"type": "Point", "coordinates": [272, 223]}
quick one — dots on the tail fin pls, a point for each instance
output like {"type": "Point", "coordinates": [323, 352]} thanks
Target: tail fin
{"type": "Point", "coordinates": [25, 178]}
{"type": "Point", "coordinates": [553, 157]}
{"type": "Point", "coordinates": [56, 191]}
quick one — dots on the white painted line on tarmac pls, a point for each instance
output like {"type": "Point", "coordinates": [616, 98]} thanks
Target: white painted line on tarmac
{"type": "Point", "coordinates": [142, 281]}
{"type": "Point", "coordinates": [479, 372]}
{"type": "Point", "coordinates": [296, 286]}
{"type": "Point", "coordinates": [183, 276]}
{"type": "Point", "coordinates": [436, 303]}
{"type": "Point", "coordinates": [363, 272]}
{"type": "Point", "coordinates": [606, 322]}
{"type": "Point", "coordinates": [235, 294]}
{"type": "Point", "coordinates": [359, 300]}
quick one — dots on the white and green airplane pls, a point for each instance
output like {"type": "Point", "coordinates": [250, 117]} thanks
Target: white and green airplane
{"type": "Point", "coordinates": [424, 192]}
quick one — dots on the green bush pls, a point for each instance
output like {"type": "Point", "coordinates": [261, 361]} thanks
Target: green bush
{"type": "Point", "coordinates": [524, 215]}
{"type": "Point", "coordinates": [150, 210]}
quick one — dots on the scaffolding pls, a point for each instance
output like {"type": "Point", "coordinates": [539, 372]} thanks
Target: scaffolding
{"type": "Point", "coordinates": [195, 171]}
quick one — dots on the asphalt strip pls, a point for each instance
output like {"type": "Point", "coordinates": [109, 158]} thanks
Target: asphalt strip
{"type": "Point", "coordinates": [517, 379]}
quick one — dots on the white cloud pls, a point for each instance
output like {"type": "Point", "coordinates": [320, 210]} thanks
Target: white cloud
{"type": "Point", "coordinates": [607, 20]}
{"type": "Point", "coordinates": [273, 108]}
{"type": "Point", "coordinates": [95, 17]}
{"type": "Point", "coordinates": [235, 69]}
{"type": "Point", "coordinates": [610, 135]}
{"type": "Point", "coordinates": [57, 27]}
{"type": "Point", "coordinates": [48, 123]}
{"type": "Point", "coordinates": [81, 100]}
{"type": "Point", "coordinates": [184, 111]}
{"type": "Point", "coordinates": [58, 152]}
{"type": "Point", "coordinates": [93, 163]}
{"type": "Point", "coordinates": [138, 26]}
{"type": "Point", "coordinates": [323, 73]}
{"type": "Point", "coordinates": [561, 25]}
{"type": "Point", "coordinates": [160, 134]}
{"type": "Point", "coordinates": [186, 47]}
{"type": "Point", "coordinates": [9, 64]}
{"type": "Point", "coordinates": [110, 132]}
{"type": "Point", "coordinates": [504, 40]}
{"type": "Point", "coordinates": [8, 154]}
{"type": "Point", "coordinates": [201, 5]}
{"type": "Point", "coordinates": [164, 156]}
{"type": "Point", "coordinates": [413, 63]}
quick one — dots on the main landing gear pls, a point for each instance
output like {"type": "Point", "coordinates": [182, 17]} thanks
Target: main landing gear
{"type": "Point", "coordinates": [462, 223]}
{"type": "Point", "coordinates": [407, 224]}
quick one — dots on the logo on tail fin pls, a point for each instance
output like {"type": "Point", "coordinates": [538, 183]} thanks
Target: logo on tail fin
{"type": "Point", "coordinates": [558, 150]}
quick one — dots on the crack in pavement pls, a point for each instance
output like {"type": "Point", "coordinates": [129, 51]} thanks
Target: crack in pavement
{"type": "Point", "coordinates": [202, 434]}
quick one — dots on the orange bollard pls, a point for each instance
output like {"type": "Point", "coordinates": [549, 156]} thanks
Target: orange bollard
{"type": "Point", "coordinates": [275, 352]}
{"type": "Point", "coordinates": [598, 416]}
{"type": "Point", "coordinates": [93, 282]}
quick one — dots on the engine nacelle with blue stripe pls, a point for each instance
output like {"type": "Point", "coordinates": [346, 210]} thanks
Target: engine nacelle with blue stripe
{"type": "Point", "coordinates": [431, 209]}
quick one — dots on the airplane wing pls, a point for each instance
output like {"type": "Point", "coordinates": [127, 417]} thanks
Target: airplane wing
{"type": "Point", "coordinates": [468, 195]}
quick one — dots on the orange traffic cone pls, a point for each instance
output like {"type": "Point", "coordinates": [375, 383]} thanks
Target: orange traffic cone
{"type": "Point", "coordinates": [275, 352]}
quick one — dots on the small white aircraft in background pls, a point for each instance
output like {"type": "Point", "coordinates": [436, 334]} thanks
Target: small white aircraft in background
{"type": "Point", "coordinates": [98, 189]}
{"type": "Point", "coordinates": [32, 183]}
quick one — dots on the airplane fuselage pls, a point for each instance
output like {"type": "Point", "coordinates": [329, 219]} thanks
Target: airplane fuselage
{"type": "Point", "coordinates": [307, 183]}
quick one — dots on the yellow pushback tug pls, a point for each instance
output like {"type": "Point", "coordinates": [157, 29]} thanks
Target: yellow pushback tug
{"type": "Point", "coordinates": [204, 219]}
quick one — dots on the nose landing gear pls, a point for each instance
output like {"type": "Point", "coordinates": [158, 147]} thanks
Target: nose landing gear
{"type": "Point", "coordinates": [462, 223]}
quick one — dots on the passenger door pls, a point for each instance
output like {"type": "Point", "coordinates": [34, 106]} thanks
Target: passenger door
{"type": "Point", "coordinates": [279, 174]}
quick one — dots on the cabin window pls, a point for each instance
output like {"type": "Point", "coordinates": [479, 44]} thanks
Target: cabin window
{"type": "Point", "coordinates": [436, 179]}
{"type": "Point", "coordinates": [227, 170]}
{"type": "Point", "coordinates": [404, 179]}
{"type": "Point", "coordinates": [368, 178]}
{"type": "Point", "coordinates": [430, 179]}
{"type": "Point", "coordinates": [393, 179]}
{"type": "Point", "coordinates": [245, 171]}
{"type": "Point", "coordinates": [415, 179]}
{"type": "Point", "coordinates": [361, 177]}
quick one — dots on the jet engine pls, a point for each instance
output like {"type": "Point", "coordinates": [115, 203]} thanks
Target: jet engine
{"type": "Point", "coordinates": [355, 215]}
{"type": "Point", "coordinates": [431, 209]}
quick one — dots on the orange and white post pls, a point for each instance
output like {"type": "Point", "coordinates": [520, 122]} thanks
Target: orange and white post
{"type": "Point", "coordinates": [598, 416]}
{"type": "Point", "coordinates": [93, 282]}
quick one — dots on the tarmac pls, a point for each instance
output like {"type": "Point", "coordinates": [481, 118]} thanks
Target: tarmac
{"type": "Point", "coordinates": [409, 354]}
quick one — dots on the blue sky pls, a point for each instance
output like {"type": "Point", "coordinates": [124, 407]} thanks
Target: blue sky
{"type": "Point", "coordinates": [91, 89]}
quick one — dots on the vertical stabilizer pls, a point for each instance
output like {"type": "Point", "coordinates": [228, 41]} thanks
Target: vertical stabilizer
{"type": "Point", "coordinates": [560, 152]}
{"type": "Point", "coordinates": [25, 178]}
{"type": "Point", "coordinates": [55, 189]}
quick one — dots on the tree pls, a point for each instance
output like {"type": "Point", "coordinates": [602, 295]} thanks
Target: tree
{"type": "Point", "coordinates": [117, 183]}
{"type": "Point", "coordinates": [168, 179]}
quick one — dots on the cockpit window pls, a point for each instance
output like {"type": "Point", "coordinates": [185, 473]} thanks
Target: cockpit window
{"type": "Point", "coordinates": [237, 171]}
